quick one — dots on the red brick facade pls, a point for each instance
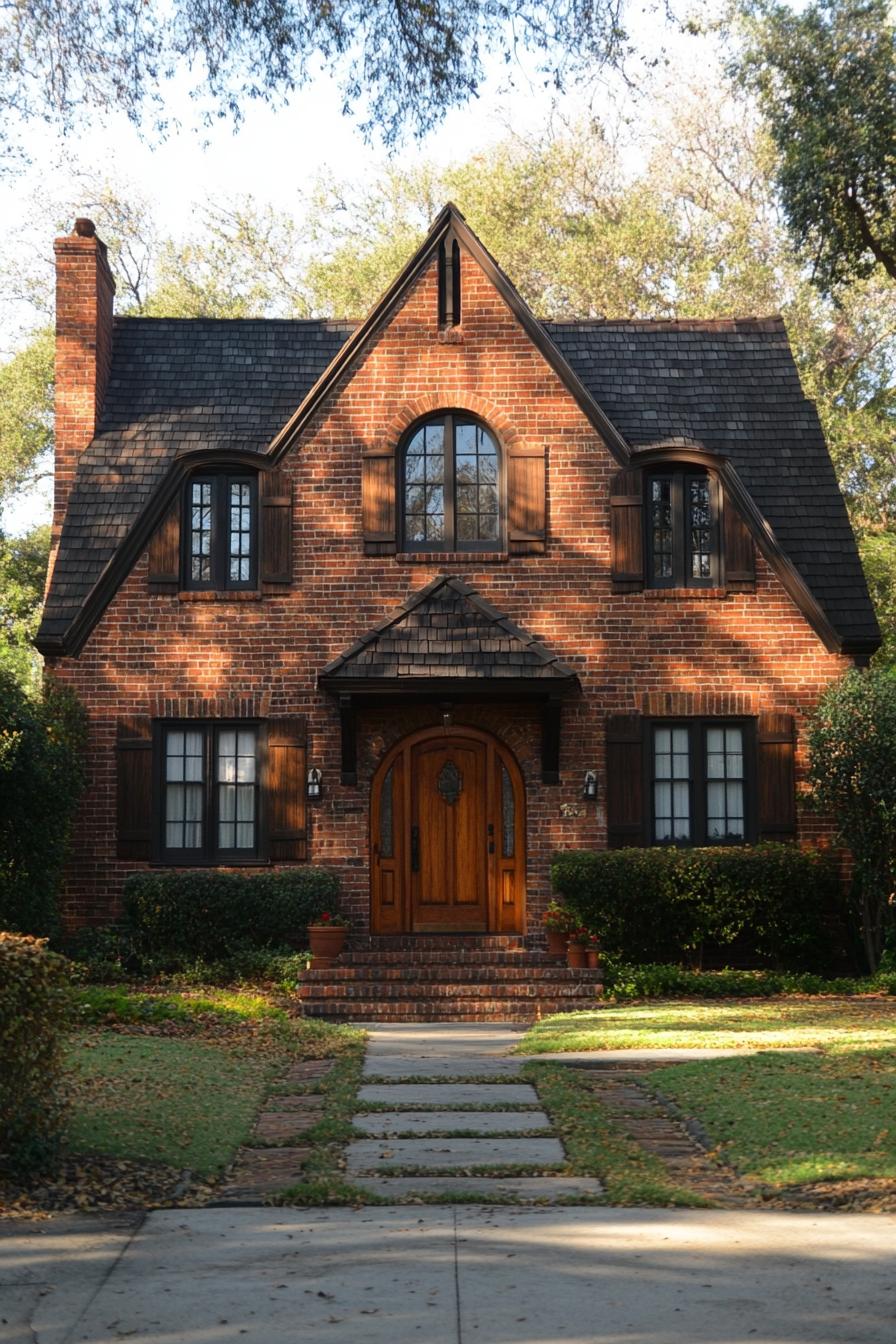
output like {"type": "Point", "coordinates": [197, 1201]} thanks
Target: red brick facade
{"type": "Point", "coordinates": [654, 652]}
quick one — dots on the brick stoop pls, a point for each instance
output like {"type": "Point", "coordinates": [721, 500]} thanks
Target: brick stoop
{"type": "Point", "coordinates": [447, 978]}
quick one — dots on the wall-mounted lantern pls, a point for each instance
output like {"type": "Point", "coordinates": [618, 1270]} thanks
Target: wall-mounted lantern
{"type": "Point", "coordinates": [589, 787]}
{"type": "Point", "coordinates": [314, 786]}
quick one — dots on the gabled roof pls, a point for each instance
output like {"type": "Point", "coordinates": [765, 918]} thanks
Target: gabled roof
{"type": "Point", "coordinates": [446, 631]}
{"type": "Point", "coordinates": [181, 388]}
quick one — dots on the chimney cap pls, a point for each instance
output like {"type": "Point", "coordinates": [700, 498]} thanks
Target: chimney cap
{"type": "Point", "coordinates": [85, 228]}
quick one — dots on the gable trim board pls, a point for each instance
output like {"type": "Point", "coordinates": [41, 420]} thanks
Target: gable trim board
{"type": "Point", "coordinates": [61, 635]}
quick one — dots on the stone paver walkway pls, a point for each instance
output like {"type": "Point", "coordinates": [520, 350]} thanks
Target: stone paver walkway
{"type": "Point", "coordinates": [477, 1133]}
{"type": "Point", "coordinates": [277, 1157]}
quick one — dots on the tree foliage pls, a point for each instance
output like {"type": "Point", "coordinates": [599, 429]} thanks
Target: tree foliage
{"type": "Point", "coordinates": [401, 63]}
{"type": "Point", "coordinates": [826, 78]}
{"type": "Point", "coordinates": [26, 415]}
{"type": "Point", "coordinates": [852, 747]}
{"type": "Point", "coordinates": [23, 571]}
{"type": "Point", "coordinates": [42, 741]}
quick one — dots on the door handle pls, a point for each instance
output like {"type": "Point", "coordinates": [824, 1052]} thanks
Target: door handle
{"type": "Point", "coordinates": [491, 838]}
{"type": "Point", "coordinates": [415, 849]}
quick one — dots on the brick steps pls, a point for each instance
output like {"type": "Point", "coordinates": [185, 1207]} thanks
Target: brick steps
{"type": "Point", "coordinates": [467, 956]}
{"type": "Point", "coordinates": [485, 1010]}
{"type": "Point", "coordinates": [453, 988]}
{"type": "Point", "coordinates": [464, 973]}
{"type": "Point", "coordinates": [446, 979]}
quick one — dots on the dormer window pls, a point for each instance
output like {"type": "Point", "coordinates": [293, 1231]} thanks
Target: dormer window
{"type": "Point", "coordinates": [682, 531]}
{"type": "Point", "coordinates": [220, 539]}
{"type": "Point", "coordinates": [451, 486]}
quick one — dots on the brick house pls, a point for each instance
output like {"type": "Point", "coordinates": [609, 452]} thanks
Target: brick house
{"type": "Point", "coordinates": [485, 585]}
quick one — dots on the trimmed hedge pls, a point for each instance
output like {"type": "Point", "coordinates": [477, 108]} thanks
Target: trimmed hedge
{"type": "Point", "coordinates": [623, 982]}
{"type": "Point", "coordinates": [210, 915]}
{"type": "Point", "coordinates": [782, 905]}
{"type": "Point", "coordinates": [33, 1014]}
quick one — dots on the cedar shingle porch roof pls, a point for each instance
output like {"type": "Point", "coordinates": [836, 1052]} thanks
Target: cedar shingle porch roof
{"type": "Point", "coordinates": [446, 632]}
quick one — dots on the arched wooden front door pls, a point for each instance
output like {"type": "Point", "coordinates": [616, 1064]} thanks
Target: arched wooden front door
{"type": "Point", "coordinates": [448, 830]}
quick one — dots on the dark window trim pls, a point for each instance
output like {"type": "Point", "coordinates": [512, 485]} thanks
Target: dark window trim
{"type": "Point", "coordinates": [679, 475]}
{"type": "Point", "coordinates": [697, 730]}
{"type": "Point", "coordinates": [451, 542]}
{"type": "Point", "coordinates": [220, 581]}
{"type": "Point", "coordinates": [209, 855]}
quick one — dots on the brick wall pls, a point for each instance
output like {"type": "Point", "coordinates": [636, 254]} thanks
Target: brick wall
{"type": "Point", "coordinates": [737, 654]}
{"type": "Point", "coordinates": [84, 297]}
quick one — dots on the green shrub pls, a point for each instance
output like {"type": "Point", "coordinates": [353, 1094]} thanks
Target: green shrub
{"type": "Point", "coordinates": [651, 981]}
{"type": "Point", "coordinates": [782, 905]}
{"type": "Point", "coordinates": [214, 915]}
{"type": "Point", "coordinates": [41, 773]}
{"type": "Point", "coordinates": [852, 746]}
{"type": "Point", "coordinates": [33, 1010]}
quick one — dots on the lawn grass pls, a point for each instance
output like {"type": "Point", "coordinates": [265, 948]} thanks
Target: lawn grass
{"type": "Point", "coordinates": [179, 1077]}
{"type": "Point", "coordinates": [103, 1003]}
{"type": "Point", "coordinates": [786, 1119]}
{"type": "Point", "coordinates": [746, 1023]}
{"type": "Point", "coordinates": [595, 1146]}
{"type": "Point", "coordinates": [188, 1103]}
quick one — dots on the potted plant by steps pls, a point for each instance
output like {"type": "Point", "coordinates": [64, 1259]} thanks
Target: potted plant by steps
{"type": "Point", "coordinates": [592, 952]}
{"type": "Point", "coordinates": [559, 923]}
{"type": "Point", "coordinates": [576, 949]}
{"type": "Point", "coordinates": [327, 938]}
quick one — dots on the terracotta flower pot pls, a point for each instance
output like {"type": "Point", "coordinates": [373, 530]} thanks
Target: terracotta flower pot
{"type": "Point", "coordinates": [575, 956]}
{"type": "Point", "coordinates": [556, 942]}
{"type": "Point", "coordinates": [326, 941]}
{"type": "Point", "coordinates": [593, 957]}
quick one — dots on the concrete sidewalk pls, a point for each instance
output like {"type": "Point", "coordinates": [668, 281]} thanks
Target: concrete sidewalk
{"type": "Point", "coordinates": [452, 1276]}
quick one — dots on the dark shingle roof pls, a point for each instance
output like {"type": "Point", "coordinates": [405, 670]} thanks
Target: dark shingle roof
{"type": "Point", "coordinates": [447, 630]}
{"type": "Point", "coordinates": [177, 385]}
{"type": "Point", "coordinates": [733, 387]}
{"type": "Point", "coordinates": [182, 385]}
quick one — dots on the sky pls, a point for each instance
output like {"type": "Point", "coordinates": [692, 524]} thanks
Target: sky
{"type": "Point", "coordinates": [273, 156]}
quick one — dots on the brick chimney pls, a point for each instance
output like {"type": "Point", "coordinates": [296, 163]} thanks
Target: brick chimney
{"type": "Point", "coordinates": [84, 294]}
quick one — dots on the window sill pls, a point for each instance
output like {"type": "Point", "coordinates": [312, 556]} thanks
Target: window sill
{"type": "Point", "coordinates": [452, 557]}
{"type": "Point", "coordinates": [219, 595]}
{"type": "Point", "coordinates": [685, 594]}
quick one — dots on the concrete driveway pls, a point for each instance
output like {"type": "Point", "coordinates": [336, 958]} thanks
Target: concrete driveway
{"type": "Point", "coordinates": [451, 1276]}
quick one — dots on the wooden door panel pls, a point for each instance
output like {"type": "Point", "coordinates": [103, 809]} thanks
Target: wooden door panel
{"type": "Point", "coordinates": [448, 837]}
{"type": "Point", "coordinates": [449, 885]}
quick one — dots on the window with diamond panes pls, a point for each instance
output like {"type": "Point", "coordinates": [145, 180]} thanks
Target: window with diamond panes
{"type": "Point", "coordinates": [210, 792]}
{"type": "Point", "coordinates": [451, 487]}
{"type": "Point", "coordinates": [682, 531]}
{"type": "Point", "coordinates": [221, 538]}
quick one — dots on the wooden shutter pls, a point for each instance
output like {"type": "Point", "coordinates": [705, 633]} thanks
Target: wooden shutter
{"type": "Point", "coordinates": [777, 779]}
{"type": "Point", "coordinates": [740, 554]}
{"type": "Point", "coordinates": [134, 787]}
{"type": "Point", "coordinates": [378, 512]}
{"type": "Point", "coordinates": [286, 825]}
{"type": "Point", "coordinates": [627, 531]}
{"type": "Point", "coordinates": [526, 500]}
{"type": "Point", "coordinates": [164, 552]}
{"type": "Point", "coordinates": [276, 527]}
{"type": "Point", "coordinates": [625, 780]}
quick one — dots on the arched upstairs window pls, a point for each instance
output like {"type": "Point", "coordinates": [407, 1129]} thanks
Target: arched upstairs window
{"type": "Point", "coordinates": [451, 485]}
